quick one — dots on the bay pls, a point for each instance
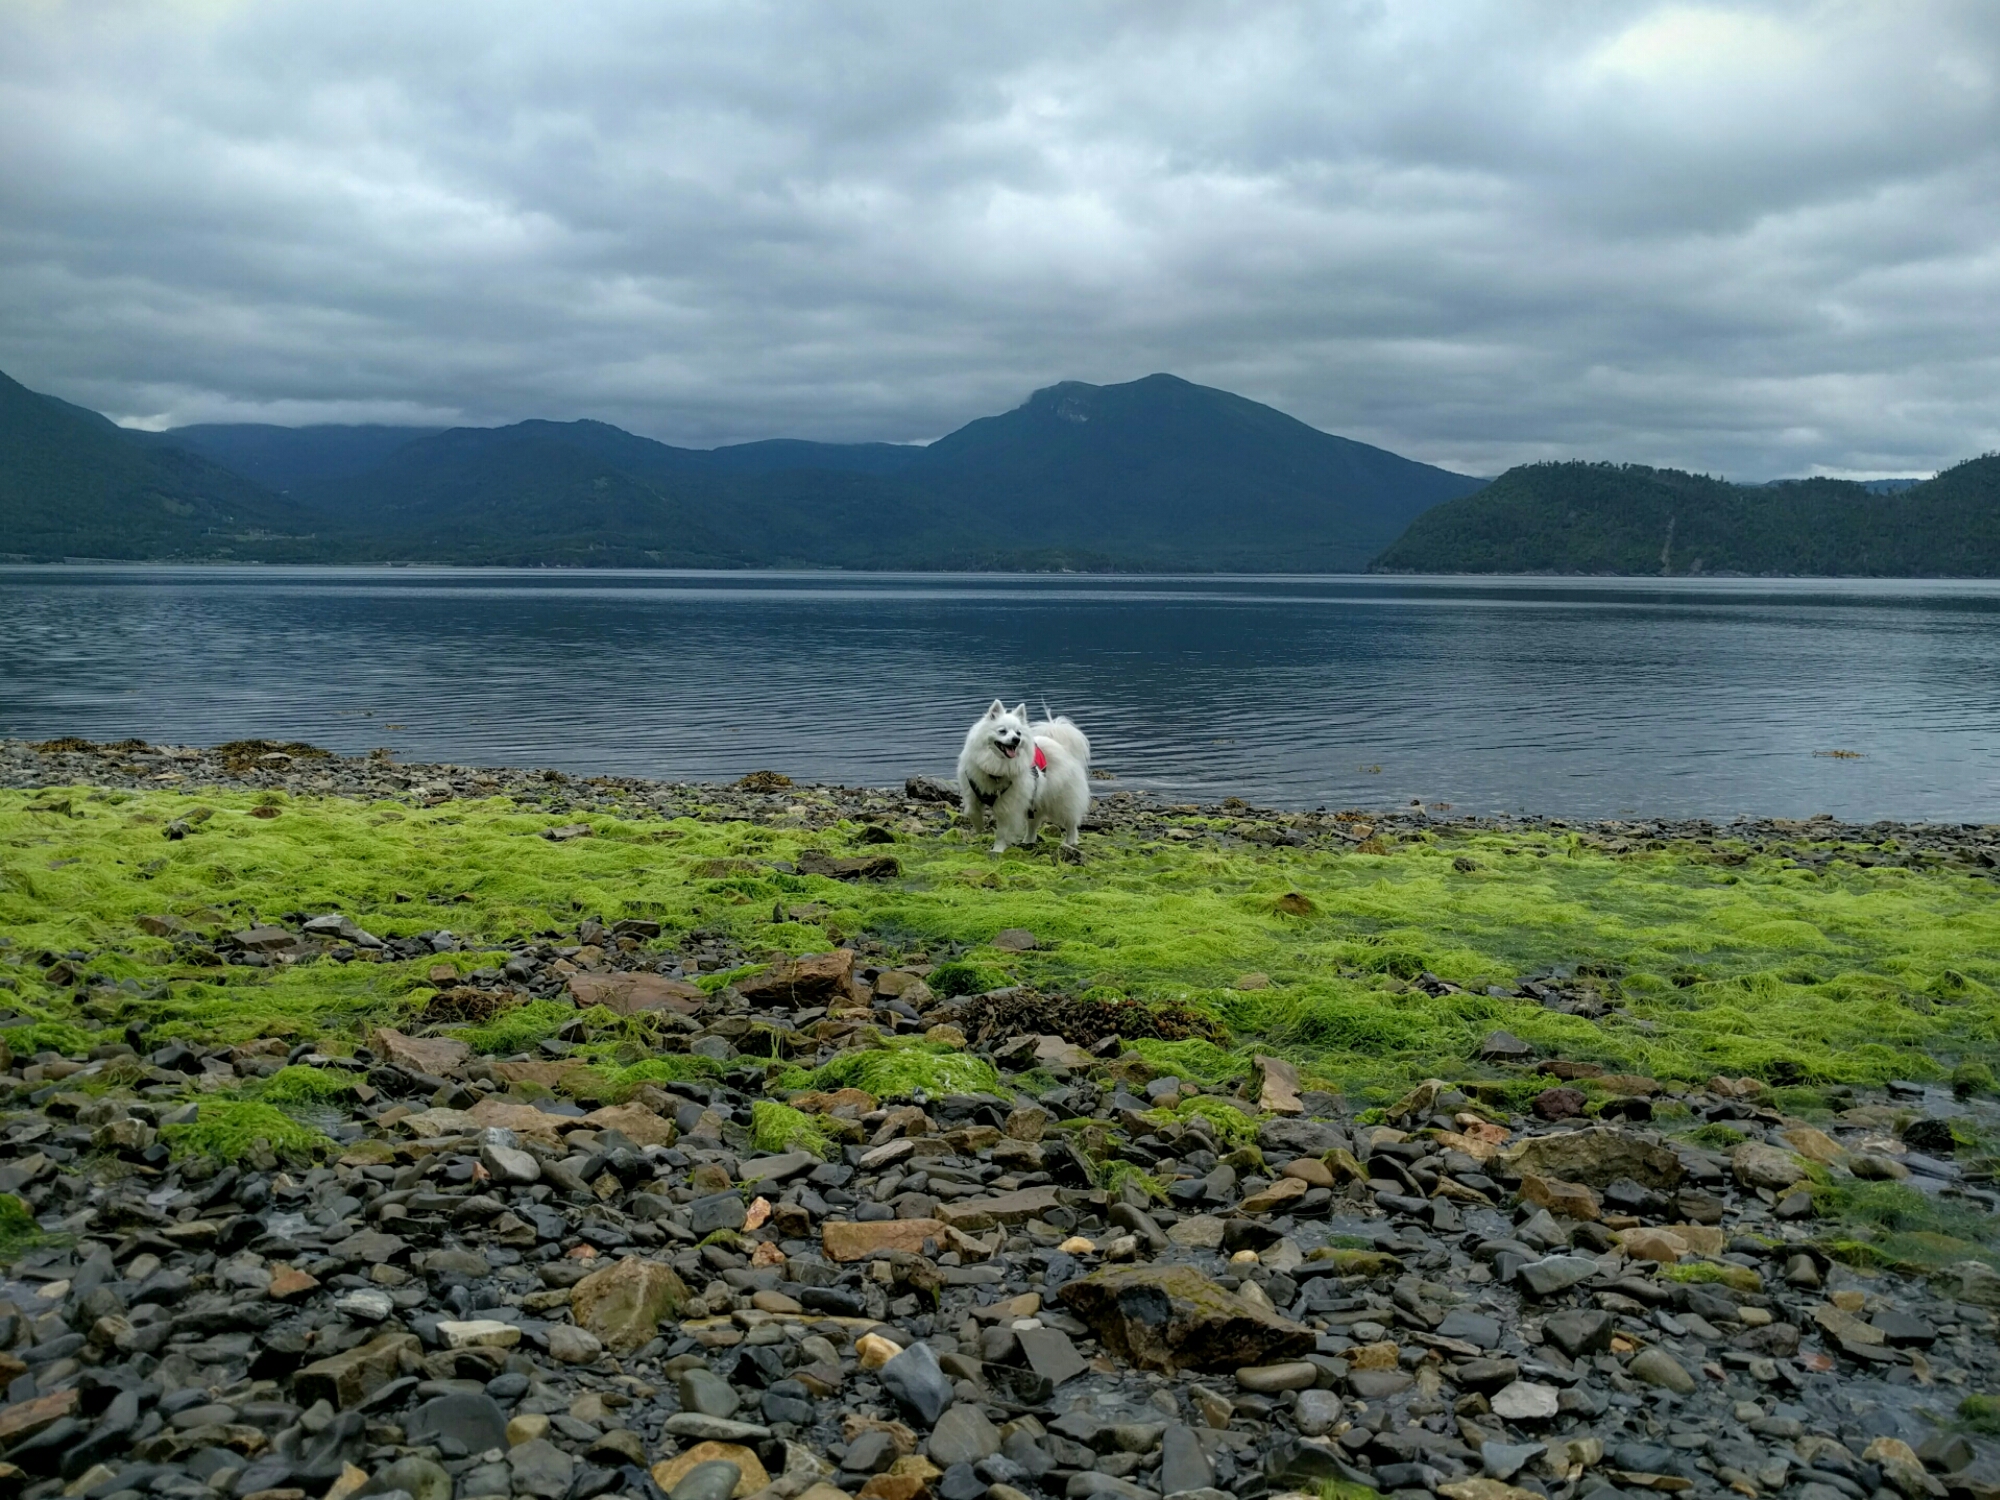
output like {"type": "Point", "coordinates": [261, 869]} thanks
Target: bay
{"type": "Point", "coordinates": [1566, 697]}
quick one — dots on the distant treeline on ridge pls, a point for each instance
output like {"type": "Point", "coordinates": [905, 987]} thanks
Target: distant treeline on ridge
{"type": "Point", "coordinates": [1156, 475]}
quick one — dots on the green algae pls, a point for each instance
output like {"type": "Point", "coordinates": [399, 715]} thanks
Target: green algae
{"type": "Point", "coordinates": [1712, 961]}
{"type": "Point", "coordinates": [230, 1129]}
{"type": "Point", "coordinates": [1116, 1175]}
{"type": "Point", "coordinates": [1230, 1126]}
{"type": "Point", "coordinates": [1894, 1224]}
{"type": "Point", "coordinates": [18, 1229]}
{"type": "Point", "coordinates": [521, 1029]}
{"type": "Point", "coordinates": [903, 1072]}
{"type": "Point", "coordinates": [302, 1085]}
{"type": "Point", "coordinates": [778, 1127]}
{"type": "Point", "coordinates": [1196, 1060]}
{"type": "Point", "coordinates": [1981, 1414]}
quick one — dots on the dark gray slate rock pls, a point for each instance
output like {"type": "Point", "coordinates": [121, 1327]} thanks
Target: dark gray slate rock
{"type": "Point", "coordinates": [914, 1379]}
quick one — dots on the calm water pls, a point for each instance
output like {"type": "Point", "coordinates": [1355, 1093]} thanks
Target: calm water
{"type": "Point", "coordinates": [1581, 698]}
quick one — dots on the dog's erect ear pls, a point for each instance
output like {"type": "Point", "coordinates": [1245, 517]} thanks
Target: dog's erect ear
{"type": "Point", "coordinates": [1021, 712]}
{"type": "Point", "coordinates": [996, 710]}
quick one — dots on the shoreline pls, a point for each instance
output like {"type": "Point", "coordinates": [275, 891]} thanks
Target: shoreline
{"type": "Point", "coordinates": [561, 1152]}
{"type": "Point", "coordinates": [291, 766]}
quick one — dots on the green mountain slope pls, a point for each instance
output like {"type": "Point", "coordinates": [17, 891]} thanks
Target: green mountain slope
{"type": "Point", "coordinates": [73, 484]}
{"type": "Point", "coordinates": [1613, 518]}
{"type": "Point", "coordinates": [1157, 473]}
{"type": "Point", "coordinates": [282, 458]}
{"type": "Point", "coordinates": [1163, 473]}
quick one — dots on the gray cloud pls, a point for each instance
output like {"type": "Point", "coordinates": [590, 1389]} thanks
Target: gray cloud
{"type": "Point", "coordinates": [1755, 239]}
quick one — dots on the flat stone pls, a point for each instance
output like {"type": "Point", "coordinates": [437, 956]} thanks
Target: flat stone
{"type": "Point", "coordinates": [702, 1390]}
{"type": "Point", "coordinates": [692, 1424]}
{"type": "Point", "coordinates": [1504, 1460]}
{"type": "Point", "coordinates": [1470, 1327]}
{"type": "Point", "coordinates": [26, 1418]}
{"type": "Point", "coordinates": [471, 1420]}
{"type": "Point", "coordinates": [716, 1479]}
{"type": "Point", "coordinates": [1757, 1165]}
{"type": "Point", "coordinates": [977, 1215]}
{"type": "Point", "coordinates": [717, 1211]}
{"type": "Point", "coordinates": [915, 1380]}
{"type": "Point", "coordinates": [1277, 1086]}
{"type": "Point", "coordinates": [1555, 1273]}
{"type": "Point", "coordinates": [1572, 1200]}
{"type": "Point", "coordinates": [632, 994]}
{"type": "Point", "coordinates": [370, 1247]}
{"type": "Point", "coordinates": [1050, 1354]}
{"type": "Point", "coordinates": [542, 1469]}
{"type": "Point", "coordinates": [751, 1474]}
{"type": "Point", "coordinates": [1504, 1046]}
{"type": "Point", "coordinates": [1596, 1157]}
{"type": "Point", "coordinates": [776, 1169]}
{"type": "Point", "coordinates": [435, 1055]}
{"type": "Point", "coordinates": [1525, 1401]}
{"type": "Point", "coordinates": [1197, 1232]}
{"type": "Point", "coordinates": [848, 1241]}
{"type": "Point", "coordinates": [622, 1305]}
{"type": "Point", "coordinates": [810, 980]}
{"type": "Point", "coordinates": [479, 1333]}
{"type": "Point", "coordinates": [352, 1376]}
{"type": "Point", "coordinates": [1657, 1367]}
{"type": "Point", "coordinates": [1169, 1317]}
{"type": "Point", "coordinates": [962, 1436]}
{"type": "Point", "coordinates": [1577, 1333]}
{"type": "Point", "coordinates": [570, 1345]}
{"type": "Point", "coordinates": [638, 1124]}
{"type": "Point", "coordinates": [1184, 1463]}
{"type": "Point", "coordinates": [1318, 1412]}
{"type": "Point", "coordinates": [1280, 1195]}
{"type": "Point", "coordinates": [509, 1166]}
{"type": "Point", "coordinates": [1378, 1385]}
{"type": "Point", "coordinates": [1014, 940]}
{"type": "Point", "coordinates": [1291, 1375]}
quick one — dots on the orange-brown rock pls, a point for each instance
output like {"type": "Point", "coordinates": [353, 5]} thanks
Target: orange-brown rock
{"type": "Point", "coordinates": [630, 994]}
{"type": "Point", "coordinates": [844, 1241]}
{"type": "Point", "coordinates": [815, 979]}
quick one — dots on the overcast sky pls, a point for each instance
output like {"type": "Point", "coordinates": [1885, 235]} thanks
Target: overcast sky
{"type": "Point", "coordinates": [1753, 239]}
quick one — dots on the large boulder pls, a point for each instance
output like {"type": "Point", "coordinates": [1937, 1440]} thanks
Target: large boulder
{"type": "Point", "coordinates": [1757, 1165]}
{"type": "Point", "coordinates": [1596, 1157]}
{"type": "Point", "coordinates": [623, 1304]}
{"type": "Point", "coordinates": [1292, 1137]}
{"type": "Point", "coordinates": [630, 994]}
{"type": "Point", "coordinates": [1173, 1317]}
{"type": "Point", "coordinates": [815, 979]}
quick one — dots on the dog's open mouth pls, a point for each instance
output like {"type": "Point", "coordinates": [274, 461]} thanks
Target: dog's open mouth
{"type": "Point", "coordinates": [1009, 750]}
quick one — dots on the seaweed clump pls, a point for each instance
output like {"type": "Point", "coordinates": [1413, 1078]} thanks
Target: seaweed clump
{"type": "Point", "coordinates": [899, 1073]}
{"type": "Point", "coordinates": [231, 1129]}
{"type": "Point", "coordinates": [778, 1127]}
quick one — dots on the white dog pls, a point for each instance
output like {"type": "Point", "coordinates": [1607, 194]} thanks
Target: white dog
{"type": "Point", "coordinates": [1025, 776]}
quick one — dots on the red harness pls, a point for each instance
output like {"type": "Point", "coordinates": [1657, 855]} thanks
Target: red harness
{"type": "Point", "coordinates": [1041, 760]}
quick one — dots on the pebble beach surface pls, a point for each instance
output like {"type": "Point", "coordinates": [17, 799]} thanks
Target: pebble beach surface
{"type": "Point", "coordinates": [489, 1285]}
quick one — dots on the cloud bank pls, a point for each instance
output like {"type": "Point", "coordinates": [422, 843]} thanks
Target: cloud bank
{"type": "Point", "coordinates": [1752, 239]}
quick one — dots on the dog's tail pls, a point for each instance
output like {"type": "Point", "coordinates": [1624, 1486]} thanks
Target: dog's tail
{"type": "Point", "coordinates": [1065, 734]}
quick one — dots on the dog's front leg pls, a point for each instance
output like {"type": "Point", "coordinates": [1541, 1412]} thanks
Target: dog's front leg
{"type": "Point", "coordinates": [975, 814]}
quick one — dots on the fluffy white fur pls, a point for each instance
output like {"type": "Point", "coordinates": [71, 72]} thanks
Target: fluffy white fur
{"type": "Point", "coordinates": [997, 776]}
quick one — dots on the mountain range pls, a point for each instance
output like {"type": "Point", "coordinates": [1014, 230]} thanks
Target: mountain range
{"type": "Point", "coordinates": [1157, 474]}
{"type": "Point", "coordinates": [1153, 475]}
{"type": "Point", "coordinates": [1629, 519]}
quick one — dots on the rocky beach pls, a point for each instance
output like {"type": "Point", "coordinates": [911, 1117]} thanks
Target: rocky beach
{"type": "Point", "coordinates": [384, 1130]}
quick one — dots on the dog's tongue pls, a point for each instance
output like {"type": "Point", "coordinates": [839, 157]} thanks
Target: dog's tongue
{"type": "Point", "coordinates": [1008, 753]}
